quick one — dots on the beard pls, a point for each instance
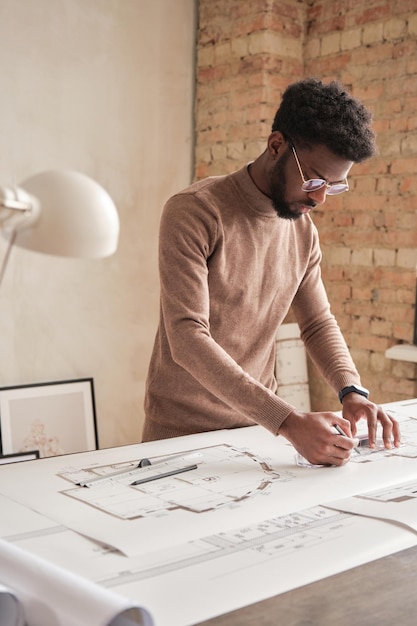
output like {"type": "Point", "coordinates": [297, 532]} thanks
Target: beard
{"type": "Point", "coordinates": [278, 187]}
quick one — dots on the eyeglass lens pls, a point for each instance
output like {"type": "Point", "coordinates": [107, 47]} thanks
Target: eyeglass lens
{"type": "Point", "coordinates": [314, 184]}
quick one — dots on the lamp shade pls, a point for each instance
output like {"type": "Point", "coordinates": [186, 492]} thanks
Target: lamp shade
{"type": "Point", "coordinates": [72, 216]}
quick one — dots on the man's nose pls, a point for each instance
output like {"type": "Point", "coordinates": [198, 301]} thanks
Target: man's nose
{"type": "Point", "coordinates": [319, 196]}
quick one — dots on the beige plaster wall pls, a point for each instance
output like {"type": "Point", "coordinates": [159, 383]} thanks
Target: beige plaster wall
{"type": "Point", "coordinates": [104, 87]}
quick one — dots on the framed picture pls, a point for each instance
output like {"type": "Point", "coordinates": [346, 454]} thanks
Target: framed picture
{"type": "Point", "coordinates": [53, 418]}
{"type": "Point", "coordinates": [16, 457]}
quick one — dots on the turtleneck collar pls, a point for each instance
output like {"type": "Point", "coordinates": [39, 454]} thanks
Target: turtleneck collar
{"type": "Point", "coordinates": [256, 200]}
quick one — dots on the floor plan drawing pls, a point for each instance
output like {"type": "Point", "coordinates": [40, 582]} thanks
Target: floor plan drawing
{"type": "Point", "coordinates": [222, 475]}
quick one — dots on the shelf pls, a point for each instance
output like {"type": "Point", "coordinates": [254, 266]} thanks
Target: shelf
{"type": "Point", "coordinates": [402, 352]}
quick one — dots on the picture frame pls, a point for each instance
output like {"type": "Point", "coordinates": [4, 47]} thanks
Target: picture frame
{"type": "Point", "coordinates": [54, 418]}
{"type": "Point", "coordinates": [17, 457]}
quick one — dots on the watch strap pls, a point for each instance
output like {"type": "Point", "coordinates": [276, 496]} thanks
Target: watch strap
{"type": "Point", "coordinates": [353, 389]}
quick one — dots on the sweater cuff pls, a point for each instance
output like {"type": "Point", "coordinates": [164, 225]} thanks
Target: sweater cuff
{"type": "Point", "coordinates": [273, 413]}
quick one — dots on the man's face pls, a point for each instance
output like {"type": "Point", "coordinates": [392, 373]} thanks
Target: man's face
{"type": "Point", "coordinates": [285, 180]}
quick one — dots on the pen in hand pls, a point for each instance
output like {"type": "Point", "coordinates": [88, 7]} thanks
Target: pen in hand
{"type": "Point", "coordinates": [341, 432]}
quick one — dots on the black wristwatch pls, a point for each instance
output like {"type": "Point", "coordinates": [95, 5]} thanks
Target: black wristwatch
{"type": "Point", "coordinates": [353, 389]}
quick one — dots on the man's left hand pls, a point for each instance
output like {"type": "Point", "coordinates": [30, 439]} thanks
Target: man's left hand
{"type": "Point", "coordinates": [356, 407]}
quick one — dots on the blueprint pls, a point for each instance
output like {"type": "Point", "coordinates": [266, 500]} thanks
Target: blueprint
{"type": "Point", "coordinates": [223, 475]}
{"type": "Point", "coordinates": [240, 474]}
{"type": "Point", "coordinates": [246, 524]}
{"type": "Point", "coordinates": [250, 562]}
{"type": "Point", "coordinates": [408, 448]}
{"type": "Point", "coordinates": [39, 590]}
{"type": "Point", "coordinates": [395, 503]}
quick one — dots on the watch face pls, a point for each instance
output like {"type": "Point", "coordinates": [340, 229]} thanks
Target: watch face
{"type": "Point", "coordinates": [359, 388]}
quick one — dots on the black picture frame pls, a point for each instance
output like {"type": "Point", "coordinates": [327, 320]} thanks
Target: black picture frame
{"type": "Point", "coordinates": [57, 417]}
{"type": "Point", "coordinates": [17, 457]}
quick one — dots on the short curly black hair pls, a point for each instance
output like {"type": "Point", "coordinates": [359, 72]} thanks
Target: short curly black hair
{"type": "Point", "coordinates": [312, 112]}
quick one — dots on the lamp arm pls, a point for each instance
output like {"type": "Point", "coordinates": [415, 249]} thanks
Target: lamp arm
{"type": "Point", "coordinates": [6, 257]}
{"type": "Point", "coordinates": [15, 205]}
{"type": "Point", "coordinates": [16, 208]}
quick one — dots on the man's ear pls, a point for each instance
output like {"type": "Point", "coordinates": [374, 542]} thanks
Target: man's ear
{"type": "Point", "coordinates": [276, 143]}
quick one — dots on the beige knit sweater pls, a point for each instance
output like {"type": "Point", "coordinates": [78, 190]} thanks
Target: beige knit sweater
{"type": "Point", "coordinates": [230, 269]}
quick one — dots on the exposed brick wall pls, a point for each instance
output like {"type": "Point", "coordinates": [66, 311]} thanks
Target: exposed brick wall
{"type": "Point", "coordinates": [246, 55]}
{"type": "Point", "coordinates": [247, 52]}
{"type": "Point", "coordinates": [369, 236]}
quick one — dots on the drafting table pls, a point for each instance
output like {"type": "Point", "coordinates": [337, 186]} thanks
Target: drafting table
{"type": "Point", "coordinates": [382, 592]}
{"type": "Point", "coordinates": [248, 533]}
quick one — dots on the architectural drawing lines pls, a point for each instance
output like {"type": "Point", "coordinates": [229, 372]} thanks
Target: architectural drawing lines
{"type": "Point", "coordinates": [299, 527]}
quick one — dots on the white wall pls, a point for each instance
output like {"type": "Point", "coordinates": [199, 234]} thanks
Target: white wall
{"type": "Point", "coordinates": [104, 87]}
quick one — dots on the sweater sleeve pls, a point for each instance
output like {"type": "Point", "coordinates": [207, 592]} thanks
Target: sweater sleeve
{"type": "Point", "coordinates": [319, 330]}
{"type": "Point", "coordinates": [188, 237]}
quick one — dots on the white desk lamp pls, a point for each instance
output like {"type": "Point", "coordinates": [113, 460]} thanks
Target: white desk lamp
{"type": "Point", "coordinates": [60, 212]}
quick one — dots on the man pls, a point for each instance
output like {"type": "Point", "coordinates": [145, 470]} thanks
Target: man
{"type": "Point", "coordinates": [236, 252]}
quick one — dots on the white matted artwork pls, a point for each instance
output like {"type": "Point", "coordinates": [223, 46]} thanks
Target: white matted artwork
{"type": "Point", "coordinates": [54, 418]}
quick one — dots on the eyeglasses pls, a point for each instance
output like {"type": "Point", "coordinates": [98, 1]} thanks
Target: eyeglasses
{"type": "Point", "coordinates": [314, 184]}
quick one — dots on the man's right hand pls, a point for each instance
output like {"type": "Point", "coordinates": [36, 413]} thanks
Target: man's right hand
{"type": "Point", "coordinates": [313, 435]}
